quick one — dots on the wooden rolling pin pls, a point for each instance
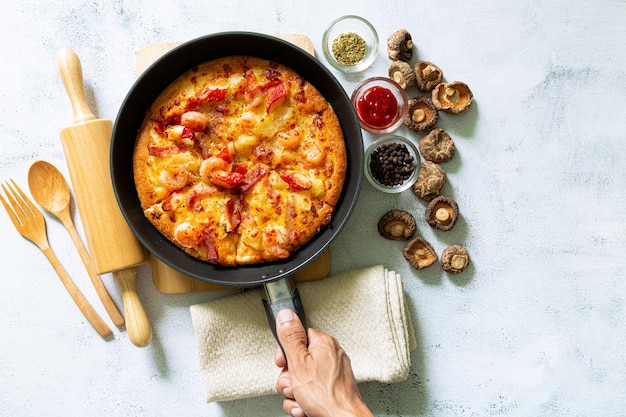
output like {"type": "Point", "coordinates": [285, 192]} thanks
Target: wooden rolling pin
{"type": "Point", "coordinates": [112, 245]}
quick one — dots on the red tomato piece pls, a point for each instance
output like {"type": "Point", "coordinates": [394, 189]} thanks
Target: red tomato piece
{"type": "Point", "coordinates": [275, 95]}
{"type": "Point", "coordinates": [162, 151]}
{"type": "Point", "coordinates": [233, 209]}
{"type": "Point", "coordinates": [226, 179]}
{"type": "Point", "coordinates": [291, 181]}
{"type": "Point", "coordinates": [253, 176]}
{"type": "Point", "coordinates": [208, 243]}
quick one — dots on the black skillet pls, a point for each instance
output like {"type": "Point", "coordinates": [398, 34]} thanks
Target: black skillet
{"type": "Point", "coordinates": [275, 276]}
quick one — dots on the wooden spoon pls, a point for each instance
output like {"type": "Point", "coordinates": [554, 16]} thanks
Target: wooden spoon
{"type": "Point", "coordinates": [49, 188]}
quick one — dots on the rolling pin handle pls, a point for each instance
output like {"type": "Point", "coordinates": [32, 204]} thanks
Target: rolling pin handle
{"type": "Point", "coordinates": [71, 73]}
{"type": "Point", "coordinates": [137, 323]}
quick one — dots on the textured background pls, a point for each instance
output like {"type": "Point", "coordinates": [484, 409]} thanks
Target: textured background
{"type": "Point", "coordinates": [536, 326]}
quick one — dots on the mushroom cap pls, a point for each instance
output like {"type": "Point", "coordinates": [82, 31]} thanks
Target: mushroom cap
{"type": "Point", "coordinates": [419, 253]}
{"type": "Point", "coordinates": [437, 146]}
{"type": "Point", "coordinates": [402, 73]}
{"type": "Point", "coordinates": [430, 181]}
{"type": "Point", "coordinates": [454, 97]}
{"type": "Point", "coordinates": [421, 115]}
{"type": "Point", "coordinates": [397, 225]}
{"type": "Point", "coordinates": [427, 76]}
{"type": "Point", "coordinates": [400, 46]}
{"type": "Point", "coordinates": [454, 259]}
{"type": "Point", "coordinates": [442, 213]}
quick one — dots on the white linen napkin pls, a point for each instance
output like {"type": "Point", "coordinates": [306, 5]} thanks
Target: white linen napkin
{"type": "Point", "coordinates": [364, 310]}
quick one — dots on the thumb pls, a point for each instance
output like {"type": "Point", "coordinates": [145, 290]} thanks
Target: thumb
{"type": "Point", "coordinates": [291, 334]}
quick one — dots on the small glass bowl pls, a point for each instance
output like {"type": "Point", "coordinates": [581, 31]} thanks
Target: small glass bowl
{"type": "Point", "coordinates": [398, 93]}
{"type": "Point", "coordinates": [406, 184]}
{"type": "Point", "coordinates": [361, 27]}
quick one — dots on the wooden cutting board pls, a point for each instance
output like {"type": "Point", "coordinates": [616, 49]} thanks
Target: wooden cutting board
{"type": "Point", "coordinates": [169, 281]}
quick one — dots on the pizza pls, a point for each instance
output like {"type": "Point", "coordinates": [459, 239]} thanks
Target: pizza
{"type": "Point", "coordinates": [239, 161]}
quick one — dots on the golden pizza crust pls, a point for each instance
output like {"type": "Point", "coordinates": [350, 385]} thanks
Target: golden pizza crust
{"type": "Point", "coordinates": [239, 161]}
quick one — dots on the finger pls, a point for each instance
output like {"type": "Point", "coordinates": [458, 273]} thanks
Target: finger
{"type": "Point", "coordinates": [283, 385]}
{"type": "Point", "coordinates": [293, 408]}
{"type": "Point", "coordinates": [291, 334]}
{"type": "Point", "coordinates": [317, 339]}
{"type": "Point", "coordinates": [313, 335]}
{"type": "Point", "coordinates": [279, 358]}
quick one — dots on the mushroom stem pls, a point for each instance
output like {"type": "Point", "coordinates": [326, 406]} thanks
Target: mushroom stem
{"type": "Point", "coordinates": [418, 115]}
{"type": "Point", "coordinates": [442, 215]}
{"type": "Point", "coordinates": [452, 95]}
{"type": "Point", "coordinates": [396, 230]}
{"type": "Point", "coordinates": [429, 73]}
{"type": "Point", "coordinates": [458, 262]}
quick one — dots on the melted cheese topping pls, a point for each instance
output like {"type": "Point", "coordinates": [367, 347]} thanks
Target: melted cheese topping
{"type": "Point", "coordinates": [239, 161]}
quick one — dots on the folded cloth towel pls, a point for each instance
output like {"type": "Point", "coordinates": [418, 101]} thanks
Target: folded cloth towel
{"type": "Point", "coordinates": [364, 310]}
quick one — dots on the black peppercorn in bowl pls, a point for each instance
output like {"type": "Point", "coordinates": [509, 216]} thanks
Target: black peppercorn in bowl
{"type": "Point", "coordinates": [392, 164]}
{"type": "Point", "coordinates": [350, 44]}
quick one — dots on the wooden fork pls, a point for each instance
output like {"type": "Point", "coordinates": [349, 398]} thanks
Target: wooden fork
{"type": "Point", "coordinates": [29, 221]}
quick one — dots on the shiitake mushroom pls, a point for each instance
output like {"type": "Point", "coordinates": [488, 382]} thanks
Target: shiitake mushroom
{"type": "Point", "coordinates": [402, 73]}
{"type": "Point", "coordinates": [397, 225]}
{"type": "Point", "coordinates": [421, 114]}
{"type": "Point", "coordinates": [419, 253]}
{"type": "Point", "coordinates": [430, 181]}
{"type": "Point", "coordinates": [455, 97]}
{"type": "Point", "coordinates": [427, 76]}
{"type": "Point", "coordinates": [400, 46]}
{"type": "Point", "coordinates": [442, 213]}
{"type": "Point", "coordinates": [454, 259]}
{"type": "Point", "coordinates": [437, 146]}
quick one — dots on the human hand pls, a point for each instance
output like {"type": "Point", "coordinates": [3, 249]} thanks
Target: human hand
{"type": "Point", "coordinates": [316, 381]}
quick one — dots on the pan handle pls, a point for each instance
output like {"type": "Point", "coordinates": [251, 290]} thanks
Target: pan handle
{"type": "Point", "coordinates": [282, 294]}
